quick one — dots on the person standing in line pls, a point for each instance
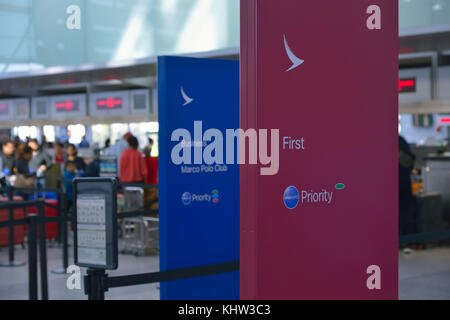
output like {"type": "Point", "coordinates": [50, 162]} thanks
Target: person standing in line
{"type": "Point", "coordinates": [107, 144]}
{"type": "Point", "coordinates": [152, 164]}
{"type": "Point", "coordinates": [69, 175]}
{"type": "Point", "coordinates": [22, 163]}
{"type": "Point", "coordinates": [24, 178]}
{"type": "Point", "coordinates": [40, 160]}
{"type": "Point", "coordinates": [84, 143]}
{"type": "Point", "coordinates": [133, 168]}
{"type": "Point", "coordinates": [59, 153]}
{"type": "Point", "coordinates": [118, 148]}
{"type": "Point", "coordinates": [17, 142]}
{"type": "Point", "coordinates": [7, 157]}
{"type": "Point", "coordinates": [151, 194]}
{"type": "Point", "coordinates": [72, 155]}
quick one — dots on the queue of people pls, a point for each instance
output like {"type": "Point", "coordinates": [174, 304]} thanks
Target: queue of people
{"type": "Point", "coordinates": [30, 158]}
{"type": "Point", "coordinates": [30, 164]}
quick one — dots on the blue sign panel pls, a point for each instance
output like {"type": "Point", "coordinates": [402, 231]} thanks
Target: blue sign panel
{"type": "Point", "coordinates": [198, 99]}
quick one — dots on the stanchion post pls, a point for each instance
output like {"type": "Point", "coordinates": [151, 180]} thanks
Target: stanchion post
{"type": "Point", "coordinates": [95, 284]}
{"type": "Point", "coordinates": [59, 199]}
{"type": "Point", "coordinates": [64, 232]}
{"type": "Point", "coordinates": [11, 228]}
{"type": "Point", "coordinates": [32, 258]}
{"type": "Point", "coordinates": [11, 258]}
{"type": "Point", "coordinates": [43, 250]}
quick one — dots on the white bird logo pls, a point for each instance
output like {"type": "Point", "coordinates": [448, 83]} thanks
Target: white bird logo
{"type": "Point", "coordinates": [185, 97]}
{"type": "Point", "coordinates": [294, 59]}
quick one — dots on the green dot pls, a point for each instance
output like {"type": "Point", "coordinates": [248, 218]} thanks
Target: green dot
{"type": "Point", "coordinates": [340, 186]}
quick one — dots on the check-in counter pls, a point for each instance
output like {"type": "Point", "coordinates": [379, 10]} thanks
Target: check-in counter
{"type": "Point", "coordinates": [436, 178]}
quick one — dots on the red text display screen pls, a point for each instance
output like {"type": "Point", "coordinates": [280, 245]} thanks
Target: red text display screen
{"type": "Point", "coordinates": [407, 85]}
{"type": "Point", "coordinates": [4, 109]}
{"type": "Point", "coordinates": [109, 103]}
{"type": "Point", "coordinates": [67, 106]}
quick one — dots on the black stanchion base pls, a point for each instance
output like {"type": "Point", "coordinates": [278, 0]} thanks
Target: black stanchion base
{"type": "Point", "coordinates": [12, 264]}
{"type": "Point", "coordinates": [59, 271]}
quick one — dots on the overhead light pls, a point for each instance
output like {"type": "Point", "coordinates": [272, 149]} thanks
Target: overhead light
{"type": "Point", "coordinates": [436, 7]}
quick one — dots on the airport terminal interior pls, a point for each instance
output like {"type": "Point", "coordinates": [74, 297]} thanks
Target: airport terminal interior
{"type": "Point", "coordinates": [79, 98]}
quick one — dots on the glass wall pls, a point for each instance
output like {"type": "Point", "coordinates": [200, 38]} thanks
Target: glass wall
{"type": "Point", "coordinates": [41, 33]}
{"type": "Point", "coordinates": [424, 13]}
{"type": "Point", "coordinates": [35, 34]}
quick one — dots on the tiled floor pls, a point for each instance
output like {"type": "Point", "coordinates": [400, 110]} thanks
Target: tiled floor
{"type": "Point", "coordinates": [14, 281]}
{"type": "Point", "coordinates": [423, 274]}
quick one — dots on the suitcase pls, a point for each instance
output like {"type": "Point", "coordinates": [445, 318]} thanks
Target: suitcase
{"type": "Point", "coordinates": [51, 228]}
{"type": "Point", "coordinates": [19, 231]}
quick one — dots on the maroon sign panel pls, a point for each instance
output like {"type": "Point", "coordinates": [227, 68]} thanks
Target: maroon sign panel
{"type": "Point", "coordinates": [320, 221]}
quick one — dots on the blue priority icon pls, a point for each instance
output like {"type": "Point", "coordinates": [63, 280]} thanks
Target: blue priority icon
{"type": "Point", "coordinates": [291, 197]}
{"type": "Point", "coordinates": [186, 198]}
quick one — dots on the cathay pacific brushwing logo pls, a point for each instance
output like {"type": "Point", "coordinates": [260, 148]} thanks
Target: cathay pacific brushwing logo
{"type": "Point", "coordinates": [294, 59]}
{"type": "Point", "coordinates": [187, 99]}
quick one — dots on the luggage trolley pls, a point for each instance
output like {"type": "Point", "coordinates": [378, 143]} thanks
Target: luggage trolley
{"type": "Point", "coordinates": [140, 234]}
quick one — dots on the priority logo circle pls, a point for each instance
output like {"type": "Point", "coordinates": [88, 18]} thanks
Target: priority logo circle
{"type": "Point", "coordinates": [291, 197]}
{"type": "Point", "coordinates": [186, 198]}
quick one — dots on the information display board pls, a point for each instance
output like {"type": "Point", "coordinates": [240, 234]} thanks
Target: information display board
{"type": "Point", "coordinates": [113, 103]}
{"type": "Point", "coordinates": [40, 108]}
{"type": "Point", "coordinates": [198, 202]}
{"type": "Point", "coordinates": [154, 105]}
{"type": "Point", "coordinates": [21, 109]}
{"type": "Point", "coordinates": [95, 233]}
{"type": "Point", "coordinates": [68, 106]}
{"type": "Point", "coordinates": [6, 110]}
{"type": "Point", "coordinates": [414, 85]}
{"type": "Point", "coordinates": [444, 83]}
{"type": "Point", "coordinates": [319, 217]}
{"type": "Point", "coordinates": [140, 102]}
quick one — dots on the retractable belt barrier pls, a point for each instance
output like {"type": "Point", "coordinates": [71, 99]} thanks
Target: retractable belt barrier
{"type": "Point", "coordinates": [137, 213]}
{"type": "Point", "coordinates": [61, 219]}
{"type": "Point", "coordinates": [137, 185]}
{"type": "Point", "coordinates": [171, 275]}
{"type": "Point", "coordinates": [97, 282]}
{"type": "Point", "coordinates": [425, 237]}
{"type": "Point", "coordinates": [30, 190]}
{"type": "Point", "coordinates": [40, 220]}
{"type": "Point", "coordinates": [32, 221]}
